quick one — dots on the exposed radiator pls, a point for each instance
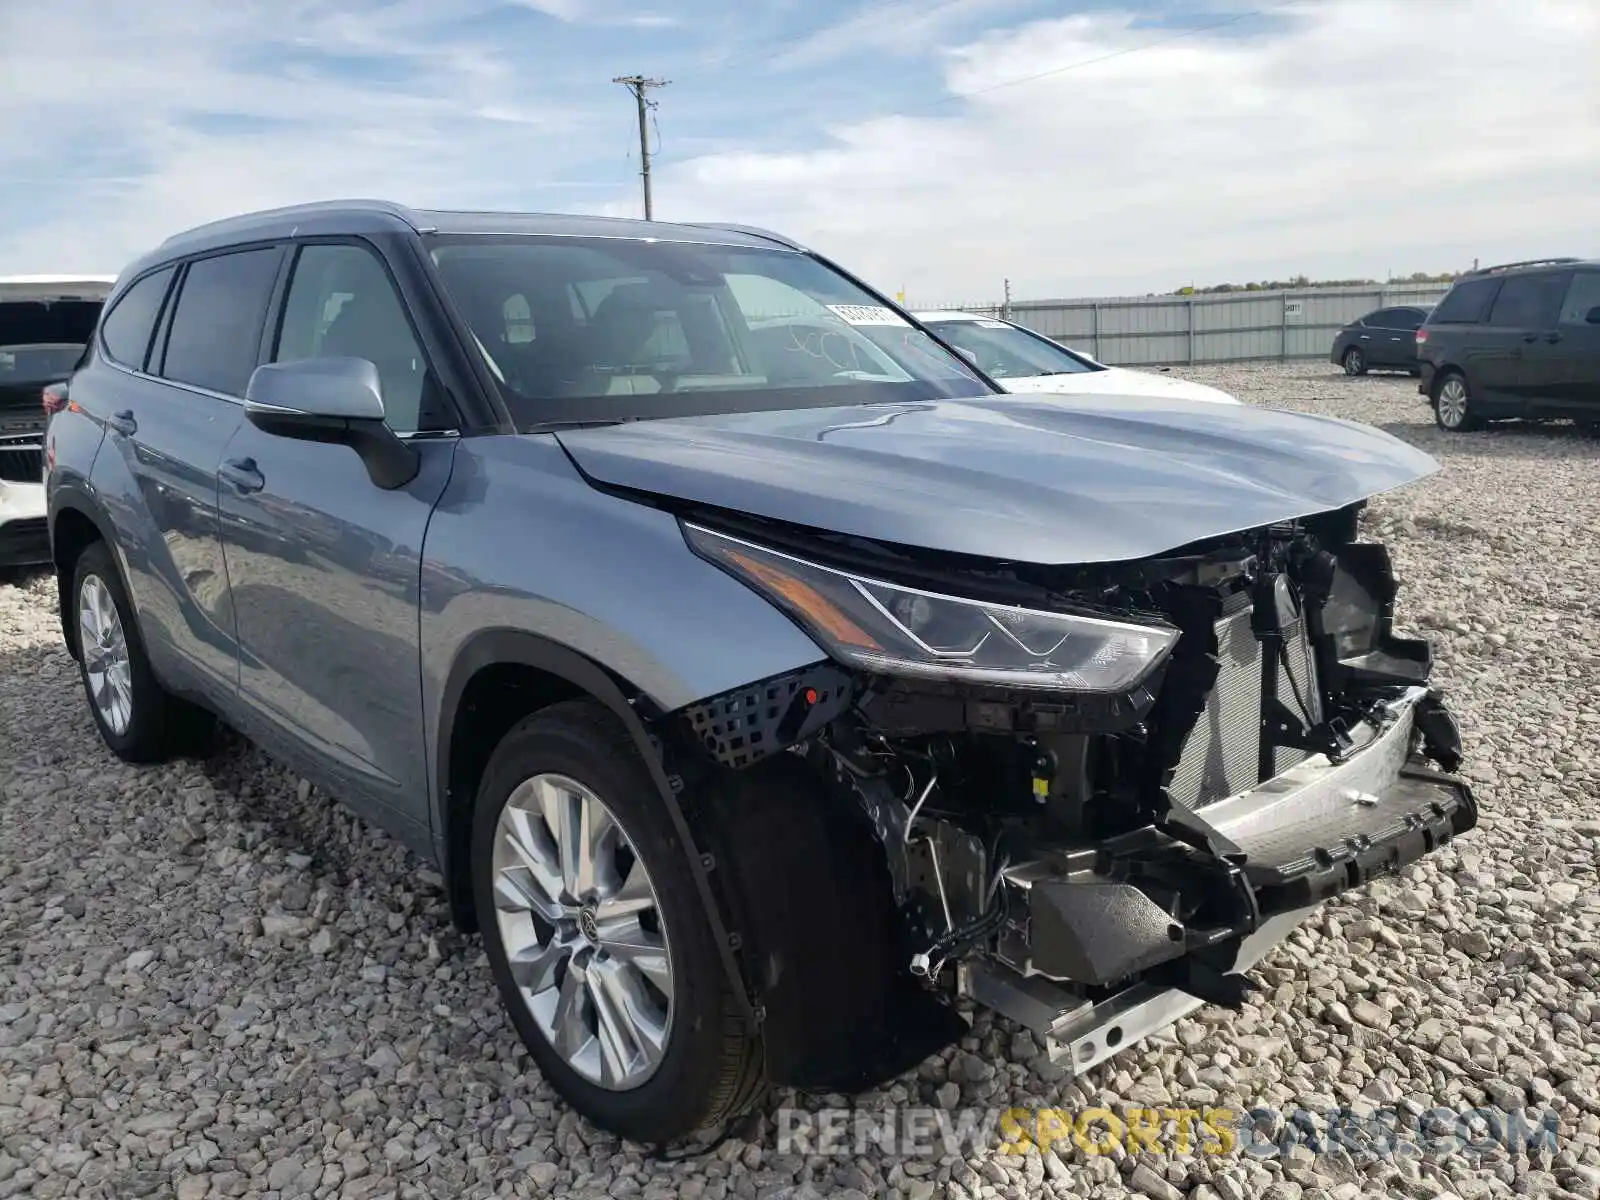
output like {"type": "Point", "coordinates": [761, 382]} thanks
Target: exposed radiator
{"type": "Point", "coordinates": [1301, 685]}
{"type": "Point", "coordinates": [1222, 755]}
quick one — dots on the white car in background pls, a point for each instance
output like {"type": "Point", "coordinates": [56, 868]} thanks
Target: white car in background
{"type": "Point", "coordinates": [1020, 360]}
{"type": "Point", "coordinates": [45, 322]}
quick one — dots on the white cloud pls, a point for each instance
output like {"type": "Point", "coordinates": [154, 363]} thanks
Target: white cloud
{"type": "Point", "coordinates": [1335, 137]}
{"type": "Point", "coordinates": [1346, 137]}
{"type": "Point", "coordinates": [903, 28]}
{"type": "Point", "coordinates": [371, 101]}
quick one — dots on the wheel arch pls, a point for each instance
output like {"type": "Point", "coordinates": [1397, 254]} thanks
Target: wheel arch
{"type": "Point", "coordinates": [1442, 372]}
{"type": "Point", "coordinates": [75, 525]}
{"type": "Point", "coordinates": [533, 672]}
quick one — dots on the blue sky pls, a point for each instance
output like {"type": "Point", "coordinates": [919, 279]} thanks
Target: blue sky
{"type": "Point", "coordinates": [1332, 137]}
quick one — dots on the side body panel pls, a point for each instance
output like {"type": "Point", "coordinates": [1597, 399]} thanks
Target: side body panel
{"type": "Point", "coordinates": [156, 481]}
{"type": "Point", "coordinates": [71, 440]}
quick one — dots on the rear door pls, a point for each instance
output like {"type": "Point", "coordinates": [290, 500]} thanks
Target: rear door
{"type": "Point", "coordinates": [1400, 336]}
{"type": "Point", "coordinates": [167, 421]}
{"type": "Point", "coordinates": [1578, 347]}
{"type": "Point", "coordinates": [1387, 338]}
{"type": "Point", "coordinates": [324, 564]}
{"type": "Point", "coordinates": [1526, 311]}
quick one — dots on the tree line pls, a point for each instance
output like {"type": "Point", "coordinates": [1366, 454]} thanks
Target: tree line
{"type": "Point", "coordinates": [1305, 281]}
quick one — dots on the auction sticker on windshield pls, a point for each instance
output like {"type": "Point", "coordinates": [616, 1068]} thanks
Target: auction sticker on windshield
{"type": "Point", "coordinates": [866, 314]}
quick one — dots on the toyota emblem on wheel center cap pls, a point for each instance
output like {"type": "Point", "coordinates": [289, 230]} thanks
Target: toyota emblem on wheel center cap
{"type": "Point", "coordinates": [588, 926]}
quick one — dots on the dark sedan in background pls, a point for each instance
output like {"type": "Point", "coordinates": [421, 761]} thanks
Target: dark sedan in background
{"type": "Point", "coordinates": [1385, 339]}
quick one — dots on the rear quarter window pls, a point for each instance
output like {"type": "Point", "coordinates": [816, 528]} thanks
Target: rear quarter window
{"type": "Point", "coordinates": [1466, 304]}
{"type": "Point", "coordinates": [125, 331]}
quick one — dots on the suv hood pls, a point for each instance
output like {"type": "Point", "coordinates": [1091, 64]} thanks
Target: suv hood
{"type": "Point", "coordinates": [1065, 480]}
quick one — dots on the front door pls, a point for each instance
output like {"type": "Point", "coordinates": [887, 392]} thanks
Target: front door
{"type": "Point", "coordinates": [324, 564]}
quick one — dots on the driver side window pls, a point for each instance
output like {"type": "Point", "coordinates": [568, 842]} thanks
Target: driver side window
{"type": "Point", "coordinates": [341, 304]}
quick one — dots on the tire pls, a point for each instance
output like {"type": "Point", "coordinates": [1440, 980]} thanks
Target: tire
{"type": "Point", "coordinates": [709, 1066]}
{"type": "Point", "coordinates": [1452, 404]}
{"type": "Point", "coordinates": [139, 720]}
{"type": "Point", "coordinates": [1355, 362]}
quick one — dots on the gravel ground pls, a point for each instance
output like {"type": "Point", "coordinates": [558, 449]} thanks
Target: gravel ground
{"type": "Point", "coordinates": [213, 982]}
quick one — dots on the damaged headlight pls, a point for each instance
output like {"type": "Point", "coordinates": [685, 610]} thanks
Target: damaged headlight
{"type": "Point", "coordinates": [894, 630]}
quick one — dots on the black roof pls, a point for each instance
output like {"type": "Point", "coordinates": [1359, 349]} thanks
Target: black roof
{"type": "Point", "coordinates": [1531, 264]}
{"type": "Point", "coordinates": [358, 217]}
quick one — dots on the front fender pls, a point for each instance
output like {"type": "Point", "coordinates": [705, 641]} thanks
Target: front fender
{"type": "Point", "coordinates": [525, 563]}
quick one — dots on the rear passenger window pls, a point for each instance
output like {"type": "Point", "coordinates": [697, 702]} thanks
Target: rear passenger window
{"type": "Point", "coordinates": [125, 332]}
{"type": "Point", "coordinates": [1395, 318]}
{"type": "Point", "coordinates": [1529, 301]}
{"type": "Point", "coordinates": [1582, 298]}
{"type": "Point", "coordinates": [342, 305]}
{"type": "Point", "coordinates": [215, 338]}
{"type": "Point", "coordinates": [1466, 303]}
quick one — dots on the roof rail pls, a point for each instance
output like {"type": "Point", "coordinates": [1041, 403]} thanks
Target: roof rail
{"type": "Point", "coordinates": [1530, 262]}
{"type": "Point", "coordinates": [384, 207]}
{"type": "Point", "coordinates": [750, 231]}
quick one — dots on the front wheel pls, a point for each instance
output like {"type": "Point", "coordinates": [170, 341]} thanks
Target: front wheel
{"type": "Point", "coordinates": [1452, 404]}
{"type": "Point", "coordinates": [1355, 362]}
{"type": "Point", "coordinates": [596, 935]}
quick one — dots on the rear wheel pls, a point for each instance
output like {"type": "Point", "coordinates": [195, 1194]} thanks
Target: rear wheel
{"type": "Point", "coordinates": [138, 719]}
{"type": "Point", "coordinates": [596, 935]}
{"type": "Point", "coordinates": [1355, 362]}
{"type": "Point", "coordinates": [1452, 404]}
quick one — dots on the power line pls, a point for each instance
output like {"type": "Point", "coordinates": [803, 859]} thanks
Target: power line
{"type": "Point", "coordinates": [1194, 31]}
{"type": "Point", "coordinates": [639, 85]}
{"type": "Point", "coordinates": [1089, 62]}
{"type": "Point", "coordinates": [759, 54]}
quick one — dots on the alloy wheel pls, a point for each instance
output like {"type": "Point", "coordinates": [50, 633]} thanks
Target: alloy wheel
{"type": "Point", "coordinates": [1354, 363]}
{"type": "Point", "coordinates": [104, 647]}
{"type": "Point", "coordinates": [582, 930]}
{"type": "Point", "coordinates": [1453, 402]}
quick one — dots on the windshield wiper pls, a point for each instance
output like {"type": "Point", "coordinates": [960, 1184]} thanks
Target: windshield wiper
{"type": "Point", "coordinates": [576, 423]}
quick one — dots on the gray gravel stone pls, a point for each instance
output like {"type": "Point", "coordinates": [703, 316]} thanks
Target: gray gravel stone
{"type": "Point", "coordinates": [213, 982]}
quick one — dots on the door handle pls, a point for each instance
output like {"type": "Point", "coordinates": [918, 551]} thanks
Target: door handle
{"type": "Point", "coordinates": [123, 422]}
{"type": "Point", "coordinates": [243, 474]}
{"type": "Point", "coordinates": [1552, 338]}
{"type": "Point", "coordinates": [1366, 337]}
{"type": "Point", "coordinates": [1530, 337]}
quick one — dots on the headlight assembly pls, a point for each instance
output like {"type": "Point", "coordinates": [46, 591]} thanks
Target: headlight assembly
{"type": "Point", "coordinates": [890, 629]}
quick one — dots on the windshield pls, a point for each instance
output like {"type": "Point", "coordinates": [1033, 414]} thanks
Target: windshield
{"type": "Point", "coordinates": [41, 340]}
{"type": "Point", "coordinates": [580, 329]}
{"type": "Point", "coordinates": [1003, 351]}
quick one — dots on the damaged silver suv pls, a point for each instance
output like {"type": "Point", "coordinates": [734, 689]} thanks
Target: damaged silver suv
{"type": "Point", "coordinates": [761, 677]}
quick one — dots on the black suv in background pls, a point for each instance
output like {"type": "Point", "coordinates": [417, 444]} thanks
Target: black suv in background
{"type": "Point", "coordinates": [1518, 340]}
{"type": "Point", "coordinates": [1386, 338]}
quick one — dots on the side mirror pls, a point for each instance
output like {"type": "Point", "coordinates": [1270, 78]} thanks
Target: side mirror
{"type": "Point", "coordinates": [1592, 317]}
{"type": "Point", "coordinates": [338, 400]}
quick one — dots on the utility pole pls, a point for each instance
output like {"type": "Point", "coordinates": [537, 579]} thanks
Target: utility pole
{"type": "Point", "coordinates": [639, 85]}
{"type": "Point", "coordinates": [1005, 307]}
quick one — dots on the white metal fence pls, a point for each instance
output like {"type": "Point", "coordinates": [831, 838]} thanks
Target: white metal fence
{"type": "Point", "coordinates": [1211, 328]}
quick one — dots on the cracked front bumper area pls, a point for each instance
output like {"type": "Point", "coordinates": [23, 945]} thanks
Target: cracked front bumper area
{"type": "Point", "coordinates": [1112, 944]}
